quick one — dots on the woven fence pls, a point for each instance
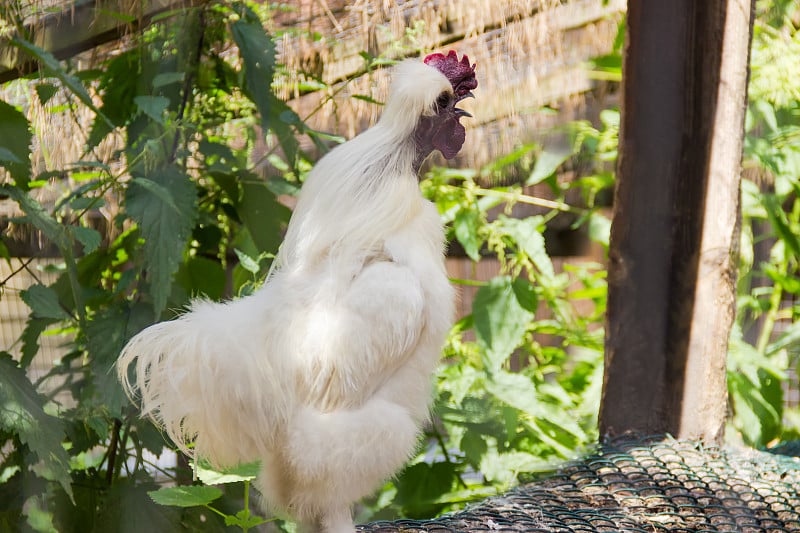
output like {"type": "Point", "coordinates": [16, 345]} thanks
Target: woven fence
{"type": "Point", "coordinates": [641, 485]}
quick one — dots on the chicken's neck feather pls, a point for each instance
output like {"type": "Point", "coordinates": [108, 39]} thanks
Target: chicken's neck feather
{"type": "Point", "coordinates": [367, 188]}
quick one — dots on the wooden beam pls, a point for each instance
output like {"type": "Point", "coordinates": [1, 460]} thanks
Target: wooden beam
{"type": "Point", "coordinates": [84, 25]}
{"type": "Point", "coordinates": [675, 231]}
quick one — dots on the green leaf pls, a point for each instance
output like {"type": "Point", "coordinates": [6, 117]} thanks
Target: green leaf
{"type": "Point", "coordinates": [118, 85]}
{"type": "Point", "coordinates": [199, 275]}
{"type": "Point", "coordinates": [53, 67]}
{"type": "Point", "coordinates": [600, 229]}
{"type": "Point", "coordinates": [788, 340]}
{"type": "Point", "coordinates": [248, 263]}
{"type": "Point", "coordinates": [242, 472]}
{"type": "Point", "coordinates": [186, 496]}
{"type": "Point", "coordinates": [467, 226]}
{"type": "Point", "coordinates": [529, 239]}
{"type": "Point", "coordinates": [516, 390]}
{"type": "Point", "coordinates": [525, 293]}
{"type": "Point", "coordinates": [474, 446]}
{"type": "Point", "coordinates": [500, 320]}
{"type": "Point", "coordinates": [45, 91]}
{"type": "Point", "coordinates": [15, 144]}
{"type": "Point", "coordinates": [777, 216]}
{"type": "Point", "coordinates": [39, 518]}
{"type": "Point", "coordinates": [547, 164]}
{"type": "Point", "coordinates": [152, 106]}
{"type": "Point", "coordinates": [22, 413]}
{"type": "Point", "coordinates": [421, 484]}
{"type": "Point", "coordinates": [129, 508]}
{"type": "Point", "coordinates": [36, 215]}
{"type": "Point", "coordinates": [167, 78]}
{"type": "Point", "coordinates": [258, 56]}
{"type": "Point", "coordinates": [107, 333]}
{"type": "Point", "coordinates": [43, 302]}
{"type": "Point", "coordinates": [366, 98]}
{"type": "Point", "coordinates": [165, 209]}
{"type": "Point", "coordinates": [162, 192]}
{"type": "Point", "coordinates": [90, 238]}
{"type": "Point", "coordinates": [30, 338]}
{"type": "Point", "coordinates": [263, 215]}
{"type": "Point", "coordinates": [244, 520]}
{"type": "Point", "coordinates": [755, 388]}
{"type": "Point", "coordinates": [503, 467]}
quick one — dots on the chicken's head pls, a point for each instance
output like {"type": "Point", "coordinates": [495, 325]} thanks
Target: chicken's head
{"type": "Point", "coordinates": [443, 131]}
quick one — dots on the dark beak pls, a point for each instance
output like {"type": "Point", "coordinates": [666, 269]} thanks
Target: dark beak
{"type": "Point", "coordinates": [466, 95]}
{"type": "Point", "coordinates": [461, 112]}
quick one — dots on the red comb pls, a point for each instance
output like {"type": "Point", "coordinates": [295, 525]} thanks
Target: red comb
{"type": "Point", "coordinates": [460, 73]}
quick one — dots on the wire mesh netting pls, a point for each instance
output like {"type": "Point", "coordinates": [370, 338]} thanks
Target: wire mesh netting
{"type": "Point", "coordinates": [644, 485]}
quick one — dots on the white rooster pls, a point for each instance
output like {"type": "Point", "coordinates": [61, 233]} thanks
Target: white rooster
{"type": "Point", "coordinates": [324, 374]}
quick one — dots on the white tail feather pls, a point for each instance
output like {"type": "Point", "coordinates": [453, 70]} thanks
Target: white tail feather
{"type": "Point", "coordinates": [206, 385]}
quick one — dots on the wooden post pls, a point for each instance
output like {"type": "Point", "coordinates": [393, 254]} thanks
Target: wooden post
{"type": "Point", "coordinates": [675, 231]}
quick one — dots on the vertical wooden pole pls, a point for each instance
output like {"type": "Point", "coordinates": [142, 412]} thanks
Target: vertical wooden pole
{"type": "Point", "coordinates": [675, 231]}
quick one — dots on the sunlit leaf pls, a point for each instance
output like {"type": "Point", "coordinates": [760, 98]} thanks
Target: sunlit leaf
{"type": "Point", "coordinates": [243, 472]}
{"type": "Point", "coordinates": [244, 520]}
{"type": "Point", "coordinates": [500, 320]}
{"type": "Point", "coordinates": [528, 237]}
{"type": "Point", "coordinates": [754, 385]}
{"type": "Point", "coordinates": [546, 165]}
{"type": "Point", "coordinates": [515, 390]}
{"type": "Point", "coordinates": [467, 230]}
{"type": "Point", "coordinates": [503, 467]}
{"type": "Point", "coordinates": [185, 496]}
{"type": "Point", "coordinates": [248, 263]}
{"type": "Point", "coordinates": [600, 228]}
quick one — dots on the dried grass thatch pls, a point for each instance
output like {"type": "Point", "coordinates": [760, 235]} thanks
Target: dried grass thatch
{"type": "Point", "coordinates": [529, 53]}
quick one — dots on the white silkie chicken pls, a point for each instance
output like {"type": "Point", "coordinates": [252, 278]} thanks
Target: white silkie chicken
{"type": "Point", "coordinates": [324, 374]}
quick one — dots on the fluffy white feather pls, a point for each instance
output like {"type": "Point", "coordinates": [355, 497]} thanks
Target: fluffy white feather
{"type": "Point", "coordinates": [324, 373]}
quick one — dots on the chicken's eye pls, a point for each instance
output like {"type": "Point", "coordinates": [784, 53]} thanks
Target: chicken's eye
{"type": "Point", "coordinates": [443, 100]}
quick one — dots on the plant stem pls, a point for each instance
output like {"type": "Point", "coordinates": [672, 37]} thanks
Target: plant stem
{"type": "Point", "coordinates": [531, 200]}
{"type": "Point", "coordinates": [220, 513]}
{"type": "Point", "coordinates": [112, 451]}
{"type": "Point", "coordinates": [443, 446]}
{"type": "Point", "coordinates": [468, 282]}
{"type": "Point", "coordinates": [772, 314]}
{"type": "Point", "coordinates": [246, 502]}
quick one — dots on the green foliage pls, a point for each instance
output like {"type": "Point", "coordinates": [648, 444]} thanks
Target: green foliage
{"type": "Point", "coordinates": [189, 197]}
{"type": "Point", "coordinates": [520, 388]}
{"type": "Point", "coordinates": [16, 135]}
{"type": "Point", "coordinates": [520, 382]}
{"type": "Point", "coordinates": [765, 343]}
{"type": "Point", "coordinates": [23, 416]}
